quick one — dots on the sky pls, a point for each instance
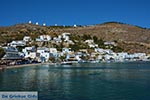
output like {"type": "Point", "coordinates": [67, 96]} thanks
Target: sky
{"type": "Point", "coordinates": [79, 12]}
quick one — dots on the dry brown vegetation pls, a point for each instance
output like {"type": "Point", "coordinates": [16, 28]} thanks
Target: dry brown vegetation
{"type": "Point", "coordinates": [130, 38]}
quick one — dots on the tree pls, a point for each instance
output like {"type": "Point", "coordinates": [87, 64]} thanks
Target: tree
{"type": "Point", "coordinates": [85, 57]}
{"type": "Point", "coordinates": [20, 48]}
{"type": "Point", "coordinates": [86, 37]}
{"type": "Point", "coordinates": [75, 47]}
{"type": "Point", "coordinates": [2, 52]}
{"type": "Point", "coordinates": [100, 43]}
{"type": "Point", "coordinates": [52, 59]}
{"type": "Point", "coordinates": [117, 49]}
{"type": "Point", "coordinates": [62, 58]}
{"type": "Point", "coordinates": [95, 39]}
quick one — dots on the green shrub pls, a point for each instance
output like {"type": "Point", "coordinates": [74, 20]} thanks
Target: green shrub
{"type": "Point", "coordinates": [2, 52]}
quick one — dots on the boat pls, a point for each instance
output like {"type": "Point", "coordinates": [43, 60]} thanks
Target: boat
{"type": "Point", "coordinates": [66, 63]}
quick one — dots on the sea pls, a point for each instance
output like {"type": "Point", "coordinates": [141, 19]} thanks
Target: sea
{"type": "Point", "coordinates": [82, 81]}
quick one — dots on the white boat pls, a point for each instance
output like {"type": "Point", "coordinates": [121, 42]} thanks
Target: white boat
{"type": "Point", "coordinates": [66, 63]}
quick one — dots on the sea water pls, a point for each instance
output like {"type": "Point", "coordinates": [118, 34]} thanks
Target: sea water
{"type": "Point", "coordinates": [86, 81]}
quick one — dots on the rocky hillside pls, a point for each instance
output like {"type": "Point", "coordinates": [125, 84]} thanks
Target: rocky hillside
{"type": "Point", "coordinates": [130, 38]}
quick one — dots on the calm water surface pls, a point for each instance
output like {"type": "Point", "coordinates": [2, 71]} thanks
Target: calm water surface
{"type": "Point", "coordinates": [105, 81]}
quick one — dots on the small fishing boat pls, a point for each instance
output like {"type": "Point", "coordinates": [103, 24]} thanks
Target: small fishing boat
{"type": "Point", "coordinates": [66, 63]}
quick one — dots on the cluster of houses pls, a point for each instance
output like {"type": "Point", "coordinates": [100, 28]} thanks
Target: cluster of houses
{"type": "Point", "coordinates": [51, 54]}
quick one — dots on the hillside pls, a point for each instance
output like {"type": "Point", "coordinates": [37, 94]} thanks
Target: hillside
{"type": "Point", "coordinates": [130, 38]}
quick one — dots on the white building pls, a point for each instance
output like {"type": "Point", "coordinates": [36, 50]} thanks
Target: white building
{"type": "Point", "coordinates": [103, 51]}
{"type": "Point", "coordinates": [99, 50]}
{"type": "Point", "coordinates": [44, 24]}
{"type": "Point", "coordinates": [30, 22]}
{"type": "Point", "coordinates": [59, 36]}
{"type": "Point", "coordinates": [108, 51]}
{"type": "Point", "coordinates": [78, 57]}
{"type": "Point", "coordinates": [28, 52]}
{"type": "Point", "coordinates": [44, 54]}
{"type": "Point", "coordinates": [65, 36]}
{"type": "Point", "coordinates": [108, 57]}
{"type": "Point", "coordinates": [110, 43]}
{"type": "Point", "coordinates": [89, 41]}
{"type": "Point", "coordinates": [17, 43]}
{"type": "Point", "coordinates": [42, 38]}
{"type": "Point", "coordinates": [52, 50]}
{"type": "Point", "coordinates": [42, 50]}
{"type": "Point", "coordinates": [57, 40]}
{"type": "Point", "coordinates": [11, 53]}
{"type": "Point", "coordinates": [36, 23]}
{"type": "Point", "coordinates": [31, 55]}
{"type": "Point", "coordinates": [66, 50]}
{"type": "Point", "coordinates": [70, 42]}
{"type": "Point", "coordinates": [121, 56]}
{"type": "Point", "coordinates": [137, 56]}
{"type": "Point", "coordinates": [27, 39]}
{"type": "Point", "coordinates": [93, 45]}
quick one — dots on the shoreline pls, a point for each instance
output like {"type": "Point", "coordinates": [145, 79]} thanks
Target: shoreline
{"type": "Point", "coordinates": [20, 66]}
{"type": "Point", "coordinates": [4, 67]}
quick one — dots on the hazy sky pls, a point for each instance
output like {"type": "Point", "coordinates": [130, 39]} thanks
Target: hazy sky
{"type": "Point", "coordinates": [69, 12]}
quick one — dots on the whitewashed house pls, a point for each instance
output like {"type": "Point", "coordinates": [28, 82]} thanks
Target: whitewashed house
{"type": "Point", "coordinates": [99, 50]}
{"type": "Point", "coordinates": [27, 39]}
{"type": "Point", "coordinates": [17, 43]}
{"type": "Point", "coordinates": [36, 23]}
{"type": "Point", "coordinates": [103, 51]}
{"type": "Point", "coordinates": [78, 57]}
{"type": "Point", "coordinates": [43, 38]}
{"type": "Point", "coordinates": [91, 43]}
{"type": "Point", "coordinates": [109, 57]}
{"type": "Point", "coordinates": [121, 56]}
{"type": "Point", "coordinates": [44, 24]}
{"type": "Point", "coordinates": [100, 57]}
{"type": "Point", "coordinates": [57, 40]}
{"type": "Point", "coordinates": [28, 52]}
{"type": "Point", "coordinates": [44, 54]}
{"type": "Point", "coordinates": [108, 51]}
{"type": "Point", "coordinates": [53, 52]}
{"type": "Point", "coordinates": [11, 54]}
{"type": "Point", "coordinates": [59, 36]}
{"type": "Point", "coordinates": [42, 50]}
{"type": "Point", "coordinates": [32, 55]}
{"type": "Point", "coordinates": [66, 36]}
{"type": "Point", "coordinates": [139, 56]}
{"type": "Point", "coordinates": [109, 43]}
{"type": "Point", "coordinates": [66, 50]}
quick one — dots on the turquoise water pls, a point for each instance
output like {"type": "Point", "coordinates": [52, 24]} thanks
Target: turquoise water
{"type": "Point", "coordinates": [104, 81]}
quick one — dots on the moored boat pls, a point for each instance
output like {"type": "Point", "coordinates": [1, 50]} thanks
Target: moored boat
{"type": "Point", "coordinates": [66, 63]}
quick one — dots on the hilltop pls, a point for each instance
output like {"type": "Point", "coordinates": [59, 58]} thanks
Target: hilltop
{"type": "Point", "coordinates": [130, 38]}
